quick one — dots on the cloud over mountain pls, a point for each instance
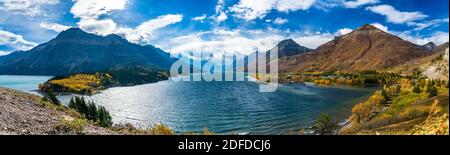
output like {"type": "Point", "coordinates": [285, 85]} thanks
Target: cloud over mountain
{"type": "Point", "coordinates": [395, 16]}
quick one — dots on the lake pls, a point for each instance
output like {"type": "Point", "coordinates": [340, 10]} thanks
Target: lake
{"type": "Point", "coordinates": [29, 84]}
{"type": "Point", "coordinates": [222, 107]}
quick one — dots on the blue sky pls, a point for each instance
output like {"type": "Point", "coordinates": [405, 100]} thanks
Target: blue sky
{"type": "Point", "coordinates": [219, 26]}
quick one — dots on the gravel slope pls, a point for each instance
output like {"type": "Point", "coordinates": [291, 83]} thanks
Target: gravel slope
{"type": "Point", "coordinates": [22, 114]}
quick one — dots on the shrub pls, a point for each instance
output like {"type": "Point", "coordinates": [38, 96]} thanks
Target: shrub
{"type": "Point", "coordinates": [207, 132]}
{"type": "Point", "coordinates": [160, 129]}
{"type": "Point", "coordinates": [367, 110]}
{"type": "Point", "coordinates": [77, 125]}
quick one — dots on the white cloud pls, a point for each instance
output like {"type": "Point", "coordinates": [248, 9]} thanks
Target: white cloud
{"type": "Point", "coordinates": [395, 16]}
{"type": "Point", "coordinates": [293, 5]}
{"type": "Point", "coordinates": [54, 26]}
{"type": "Point", "coordinates": [326, 5]}
{"type": "Point", "coordinates": [220, 4]}
{"type": "Point", "coordinates": [159, 22]}
{"type": "Point", "coordinates": [100, 27]}
{"type": "Point", "coordinates": [280, 21]}
{"type": "Point", "coordinates": [142, 34]}
{"type": "Point", "coordinates": [358, 3]}
{"type": "Point", "coordinates": [15, 41]}
{"type": "Point", "coordinates": [200, 18]}
{"type": "Point", "coordinates": [426, 24]}
{"type": "Point", "coordinates": [220, 41]}
{"type": "Point", "coordinates": [344, 31]}
{"type": "Point", "coordinates": [313, 41]}
{"type": "Point", "coordinates": [26, 7]}
{"type": "Point", "coordinates": [4, 53]}
{"type": "Point", "coordinates": [90, 11]}
{"type": "Point", "coordinates": [381, 27]}
{"type": "Point", "coordinates": [95, 8]}
{"type": "Point", "coordinates": [253, 9]}
{"type": "Point", "coordinates": [220, 14]}
{"type": "Point", "coordinates": [93, 19]}
{"type": "Point", "coordinates": [437, 37]}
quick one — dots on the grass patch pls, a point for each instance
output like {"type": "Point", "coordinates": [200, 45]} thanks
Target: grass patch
{"type": "Point", "coordinates": [158, 129]}
{"type": "Point", "coordinates": [67, 125]}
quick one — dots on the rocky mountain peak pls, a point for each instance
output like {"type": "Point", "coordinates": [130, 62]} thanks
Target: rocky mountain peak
{"type": "Point", "coordinates": [287, 42]}
{"type": "Point", "coordinates": [74, 33]}
{"type": "Point", "coordinates": [430, 46]}
{"type": "Point", "coordinates": [289, 47]}
{"type": "Point", "coordinates": [367, 27]}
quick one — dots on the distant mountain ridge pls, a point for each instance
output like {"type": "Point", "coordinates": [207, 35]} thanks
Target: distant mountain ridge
{"type": "Point", "coordinates": [75, 51]}
{"type": "Point", "coordinates": [430, 46]}
{"type": "Point", "coordinates": [285, 48]}
{"type": "Point", "coordinates": [289, 48]}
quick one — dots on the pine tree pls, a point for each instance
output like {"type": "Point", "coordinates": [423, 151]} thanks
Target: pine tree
{"type": "Point", "coordinates": [50, 97]}
{"type": "Point", "coordinates": [92, 111]}
{"type": "Point", "coordinates": [104, 117]}
{"type": "Point", "coordinates": [72, 103]}
{"type": "Point", "coordinates": [324, 125]}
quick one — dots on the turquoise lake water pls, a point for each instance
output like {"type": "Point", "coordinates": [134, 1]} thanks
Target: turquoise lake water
{"type": "Point", "coordinates": [222, 107]}
{"type": "Point", "coordinates": [23, 83]}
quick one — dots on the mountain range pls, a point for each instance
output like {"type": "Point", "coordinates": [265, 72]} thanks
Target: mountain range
{"type": "Point", "coordinates": [366, 48]}
{"type": "Point", "coordinates": [75, 51]}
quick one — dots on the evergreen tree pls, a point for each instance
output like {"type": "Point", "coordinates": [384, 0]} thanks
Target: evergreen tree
{"type": "Point", "coordinates": [92, 111]}
{"type": "Point", "coordinates": [432, 91]}
{"type": "Point", "coordinates": [324, 125]}
{"type": "Point", "coordinates": [50, 97]}
{"type": "Point", "coordinates": [105, 118]}
{"type": "Point", "coordinates": [83, 108]}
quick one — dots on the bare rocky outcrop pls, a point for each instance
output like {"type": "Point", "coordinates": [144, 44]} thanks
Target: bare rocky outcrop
{"type": "Point", "coordinates": [438, 68]}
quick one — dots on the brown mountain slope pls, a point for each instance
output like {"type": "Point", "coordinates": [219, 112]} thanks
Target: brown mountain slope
{"type": "Point", "coordinates": [366, 48]}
